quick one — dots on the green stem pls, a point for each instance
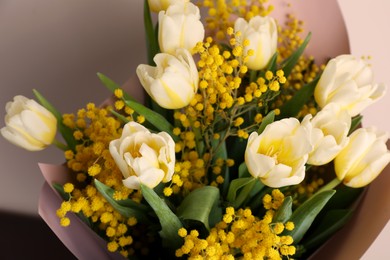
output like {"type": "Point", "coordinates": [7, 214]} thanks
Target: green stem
{"type": "Point", "coordinates": [60, 145]}
{"type": "Point", "coordinates": [330, 185]}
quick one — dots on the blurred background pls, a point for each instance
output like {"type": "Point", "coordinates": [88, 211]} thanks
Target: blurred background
{"type": "Point", "coordinates": [57, 46]}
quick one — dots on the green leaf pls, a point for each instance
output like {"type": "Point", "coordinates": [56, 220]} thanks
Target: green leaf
{"type": "Point", "coordinates": [305, 214]}
{"type": "Point", "coordinates": [119, 116]}
{"type": "Point", "coordinates": [272, 63]}
{"type": "Point", "coordinates": [243, 171]}
{"type": "Point", "coordinates": [170, 223]}
{"type": "Point", "coordinates": [60, 189]}
{"type": "Point", "coordinates": [127, 208]}
{"type": "Point", "coordinates": [292, 107]}
{"type": "Point", "coordinates": [332, 222]}
{"type": "Point", "coordinates": [268, 119]}
{"type": "Point", "coordinates": [284, 213]}
{"type": "Point", "coordinates": [112, 86]}
{"type": "Point", "coordinates": [356, 121]}
{"type": "Point", "coordinates": [65, 131]}
{"type": "Point", "coordinates": [154, 118]}
{"type": "Point", "coordinates": [150, 33]}
{"type": "Point", "coordinates": [291, 61]}
{"type": "Point", "coordinates": [198, 204]}
{"type": "Point", "coordinates": [237, 197]}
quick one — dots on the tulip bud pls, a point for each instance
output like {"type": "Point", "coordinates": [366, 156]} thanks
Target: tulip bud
{"type": "Point", "coordinates": [28, 124]}
{"type": "Point", "coordinates": [162, 5]}
{"type": "Point", "coordinates": [173, 82]}
{"type": "Point", "coordinates": [143, 157]}
{"type": "Point", "coordinates": [363, 159]}
{"type": "Point", "coordinates": [329, 135]}
{"type": "Point", "coordinates": [180, 27]}
{"type": "Point", "coordinates": [278, 155]}
{"type": "Point", "coordinates": [348, 81]}
{"type": "Point", "coordinates": [262, 34]}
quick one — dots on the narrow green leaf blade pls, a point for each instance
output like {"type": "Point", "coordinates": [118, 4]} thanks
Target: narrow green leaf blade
{"type": "Point", "coordinates": [112, 86]}
{"type": "Point", "coordinates": [119, 116]}
{"type": "Point", "coordinates": [60, 189]}
{"type": "Point", "coordinates": [152, 117]}
{"type": "Point", "coordinates": [150, 34]}
{"type": "Point", "coordinates": [268, 119]}
{"type": "Point", "coordinates": [198, 204]}
{"type": "Point", "coordinates": [305, 214]}
{"type": "Point", "coordinates": [126, 208]}
{"type": "Point", "coordinates": [243, 171]}
{"type": "Point", "coordinates": [170, 223]}
{"type": "Point", "coordinates": [356, 121]}
{"type": "Point", "coordinates": [284, 212]}
{"type": "Point", "coordinates": [235, 185]}
{"type": "Point", "coordinates": [292, 107]}
{"type": "Point", "coordinates": [65, 131]}
{"type": "Point", "coordinates": [291, 61]}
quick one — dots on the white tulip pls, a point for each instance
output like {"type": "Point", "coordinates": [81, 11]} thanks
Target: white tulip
{"type": "Point", "coordinates": [364, 158]}
{"type": "Point", "coordinates": [180, 27]}
{"type": "Point", "coordinates": [143, 157]}
{"type": "Point", "coordinates": [278, 155]}
{"type": "Point", "coordinates": [28, 124]}
{"type": "Point", "coordinates": [348, 81]}
{"type": "Point", "coordinates": [329, 134]}
{"type": "Point", "coordinates": [173, 82]}
{"type": "Point", "coordinates": [162, 5]}
{"type": "Point", "coordinates": [262, 34]}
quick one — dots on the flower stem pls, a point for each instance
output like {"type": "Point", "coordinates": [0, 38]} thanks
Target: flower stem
{"type": "Point", "coordinates": [60, 145]}
{"type": "Point", "coordinates": [330, 185]}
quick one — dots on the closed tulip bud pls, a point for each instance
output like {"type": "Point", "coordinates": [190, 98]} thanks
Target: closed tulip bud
{"type": "Point", "coordinates": [173, 82]}
{"type": "Point", "coordinates": [262, 34]}
{"type": "Point", "coordinates": [28, 124]}
{"type": "Point", "coordinates": [348, 81]}
{"type": "Point", "coordinates": [143, 157]}
{"type": "Point", "coordinates": [180, 27]}
{"type": "Point", "coordinates": [162, 5]}
{"type": "Point", "coordinates": [363, 159]}
{"type": "Point", "coordinates": [329, 135]}
{"type": "Point", "coordinates": [278, 155]}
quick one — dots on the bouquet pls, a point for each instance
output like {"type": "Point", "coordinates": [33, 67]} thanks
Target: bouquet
{"type": "Point", "coordinates": [244, 148]}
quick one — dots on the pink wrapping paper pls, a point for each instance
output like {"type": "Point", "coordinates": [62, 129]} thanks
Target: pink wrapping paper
{"type": "Point", "coordinates": [77, 237]}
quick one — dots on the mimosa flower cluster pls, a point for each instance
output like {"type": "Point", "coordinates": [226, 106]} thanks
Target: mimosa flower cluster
{"type": "Point", "coordinates": [239, 148]}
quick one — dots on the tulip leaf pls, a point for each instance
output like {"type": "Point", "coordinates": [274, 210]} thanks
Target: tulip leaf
{"type": "Point", "coordinates": [65, 131]}
{"type": "Point", "coordinates": [150, 34]}
{"type": "Point", "coordinates": [153, 117]}
{"type": "Point", "coordinates": [198, 205]}
{"type": "Point", "coordinates": [239, 190]}
{"type": "Point", "coordinates": [292, 107]}
{"type": "Point", "coordinates": [356, 121]}
{"type": "Point", "coordinates": [119, 116]}
{"type": "Point", "coordinates": [305, 214]}
{"type": "Point", "coordinates": [127, 208]}
{"type": "Point", "coordinates": [170, 223]}
{"type": "Point", "coordinates": [332, 222]}
{"type": "Point", "coordinates": [243, 171]}
{"type": "Point", "coordinates": [60, 189]}
{"type": "Point", "coordinates": [268, 119]}
{"type": "Point", "coordinates": [291, 61]}
{"type": "Point", "coordinates": [284, 213]}
{"type": "Point", "coordinates": [272, 65]}
{"type": "Point", "coordinates": [112, 86]}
